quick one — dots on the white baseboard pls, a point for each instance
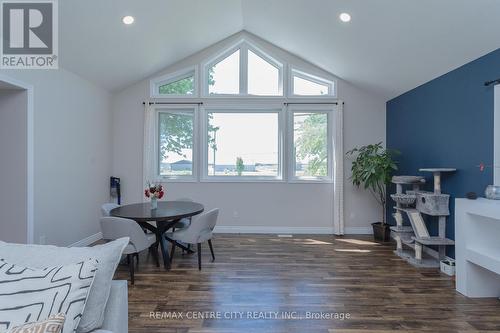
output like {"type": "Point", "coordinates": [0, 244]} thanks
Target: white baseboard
{"type": "Point", "coordinates": [289, 230]}
{"type": "Point", "coordinates": [254, 230]}
{"type": "Point", "coordinates": [88, 240]}
{"type": "Point", "coordinates": [271, 230]}
{"type": "Point", "coordinates": [358, 230]}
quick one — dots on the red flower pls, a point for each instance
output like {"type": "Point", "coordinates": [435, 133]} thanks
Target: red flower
{"type": "Point", "coordinates": [154, 191]}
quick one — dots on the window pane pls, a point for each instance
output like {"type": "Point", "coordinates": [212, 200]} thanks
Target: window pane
{"type": "Point", "coordinates": [183, 86]}
{"type": "Point", "coordinates": [243, 144]}
{"type": "Point", "coordinates": [224, 76]}
{"type": "Point", "coordinates": [311, 144]}
{"type": "Point", "coordinates": [306, 87]}
{"type": "Point", "coordinates": [175, 130]}
{"type": "Point", "coordinates": [263, 78]}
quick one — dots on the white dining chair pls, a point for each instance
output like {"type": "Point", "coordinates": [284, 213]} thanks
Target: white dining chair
{"type": "Point", "coordinates": [185, 222]}
{"type": "Point", "coordinates": [199, 231]}
{"type": "Point", "coordinates": [116, 227]}
{"type": "Point", "coordinates": [108, 207]}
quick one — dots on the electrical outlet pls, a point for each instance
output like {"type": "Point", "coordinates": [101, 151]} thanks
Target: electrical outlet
{"type": "Point", "coordinates": [236, 214]}
{"type": "Point", "coordinates": [42, 240]}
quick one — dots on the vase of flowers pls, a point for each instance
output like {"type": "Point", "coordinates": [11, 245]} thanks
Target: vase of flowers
{"type": "Point", "coordinates": [154, 192]}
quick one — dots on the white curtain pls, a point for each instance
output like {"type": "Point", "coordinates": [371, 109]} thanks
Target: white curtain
{"type": "Point", "coordinates": [338, 176]}
{"type": "Point", "coordinates": [148, 171]}
{"type": "Point", "coordinates": [496, 136]}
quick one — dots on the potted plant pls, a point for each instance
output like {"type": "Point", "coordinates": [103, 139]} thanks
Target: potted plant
{"type": "Point", "coordinates": [373, 167]}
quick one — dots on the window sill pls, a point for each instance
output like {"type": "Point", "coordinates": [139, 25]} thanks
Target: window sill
{"type": "Point", "coordinates": [235, 179]}
{"type": "Point", "coordinates": [244, 180]}
{"type": "Point", "coordinates": [310, 181]}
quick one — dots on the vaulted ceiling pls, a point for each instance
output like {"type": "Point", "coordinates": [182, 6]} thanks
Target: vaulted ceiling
{"type": "Point", "coordinates": [389, 47]}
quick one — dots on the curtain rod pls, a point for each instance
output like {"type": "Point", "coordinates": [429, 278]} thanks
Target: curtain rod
{"type": "Point", "coordinates": [492, 82]}
{"type": "Point", "coordinates": [187, 103]}
{"type": "Point", "coordinates": [201, 103]}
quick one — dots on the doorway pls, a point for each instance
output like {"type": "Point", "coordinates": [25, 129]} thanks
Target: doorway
{"type": "Point", "coordinates": [16, 162]}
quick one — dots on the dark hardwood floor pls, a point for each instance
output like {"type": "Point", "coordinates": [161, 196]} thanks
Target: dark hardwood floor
{"type": "Point", "coordinates": [257, 275]}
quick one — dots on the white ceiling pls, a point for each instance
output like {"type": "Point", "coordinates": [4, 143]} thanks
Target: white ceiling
{"type": "Point", "coordinates": [95, 44]}
{"type": "Point", "coordinates": [389, 47]}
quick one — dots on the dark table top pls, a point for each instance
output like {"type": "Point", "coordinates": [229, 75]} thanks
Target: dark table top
{"type": "Point", "coordinates": [166, 211]}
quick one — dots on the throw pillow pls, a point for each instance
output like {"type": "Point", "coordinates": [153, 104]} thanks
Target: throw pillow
{"type": "Point", "coordinates": [108, 255]}
{"type": "Point", "coordinates": [28, 295]}
{"type": "Point", "coordinates": [53, 324]}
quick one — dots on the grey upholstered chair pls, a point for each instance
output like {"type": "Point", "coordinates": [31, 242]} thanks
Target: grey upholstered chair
{"type": "Point", "coordinates": [185, 222]}
{"type": "Point", "coordinates": [115, 227]}
{"type": "Point", "coordinates": [107, 208]}
{"type": "Point", "coordinates": [199, 231]}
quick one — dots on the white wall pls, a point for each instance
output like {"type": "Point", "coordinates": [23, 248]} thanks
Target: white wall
{"type": "Point", "coordinates": [72, 154]}
{"type": "Point", "coordinates": [13, 165]}
{"type": "Point", "coordinates": [275, 207]}
{"type": "Point", "coordinates": [364, 123]}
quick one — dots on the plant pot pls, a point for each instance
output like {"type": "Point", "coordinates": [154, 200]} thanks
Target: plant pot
{"type": "Point", "coordinates": [154, 203]}
{"type": "Point", "coordinates": [381, 231]}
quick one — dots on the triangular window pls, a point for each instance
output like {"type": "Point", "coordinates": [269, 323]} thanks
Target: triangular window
{"type": "Point", "coordinates": [307, 85]}
{"type": "Point", "coordinates": [263, 77]}
{"type": "Point", "coordinates": [183, 86]}
{"type": "Point", "coordinates": [224, 76]}
{"type": "Point", "coordinates": [179, 84]}
{"type": "Point", "coordinates": [243, 70]}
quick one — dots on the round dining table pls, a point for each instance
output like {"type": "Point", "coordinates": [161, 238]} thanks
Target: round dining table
{"type": "Point", "coordinates": [166, 215]}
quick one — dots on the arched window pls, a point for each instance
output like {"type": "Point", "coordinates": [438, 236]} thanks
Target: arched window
{"type": "Point", "coordinates": [243, 70]}
{"type": "Point", "coordinates": [246, 115]}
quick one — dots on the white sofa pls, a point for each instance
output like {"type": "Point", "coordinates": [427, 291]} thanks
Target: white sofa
{"type": "Point", "coordinates": [116, 314]}
{"type": "Point", "coordinates": [106, 310]}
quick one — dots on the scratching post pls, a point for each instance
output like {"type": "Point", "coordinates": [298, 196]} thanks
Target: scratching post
{"type": "Point", "coordinates": [402, 234]}
{"type": "Point", "coordinates": [416, 237]}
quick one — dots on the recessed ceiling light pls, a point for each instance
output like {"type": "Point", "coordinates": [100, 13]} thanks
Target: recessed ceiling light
{"type": "Point", "coordinates": [128, 19]}
{"type": "Point", "coordinates": [345, 17]}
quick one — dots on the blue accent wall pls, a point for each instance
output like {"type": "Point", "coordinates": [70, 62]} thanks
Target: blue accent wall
{"type": "Point", "coordinates": [447, 122]}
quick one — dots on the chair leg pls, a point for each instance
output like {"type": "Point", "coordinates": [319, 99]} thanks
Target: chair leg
{"type": "Point", "coordinates": [136, 255]}
{"type": "Point", "coordinates": [157, 246]}
{"type": "Point", "coordinates": [154, 251]}
{"type": "Point", "coordinates": [188, 247]}
{"type": "Point", "coordinates": [199, 256]}
{"type": "Point", "coordinates": [130, 262]}
{"type": "Point", "coordinates": [211, 249]}
{"type": "Point", "coordinates": [172, 251]}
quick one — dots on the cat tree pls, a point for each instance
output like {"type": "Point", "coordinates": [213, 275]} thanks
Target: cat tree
{"type": "Point", "coordinates": [413, 242]}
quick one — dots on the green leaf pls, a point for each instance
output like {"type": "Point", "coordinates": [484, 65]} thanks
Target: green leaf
{"type": "Point", "coordinates": [372, 167]}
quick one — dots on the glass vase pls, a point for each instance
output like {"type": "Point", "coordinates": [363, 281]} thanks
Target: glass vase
{"type": "Point", "coordinates": [154, 203]}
